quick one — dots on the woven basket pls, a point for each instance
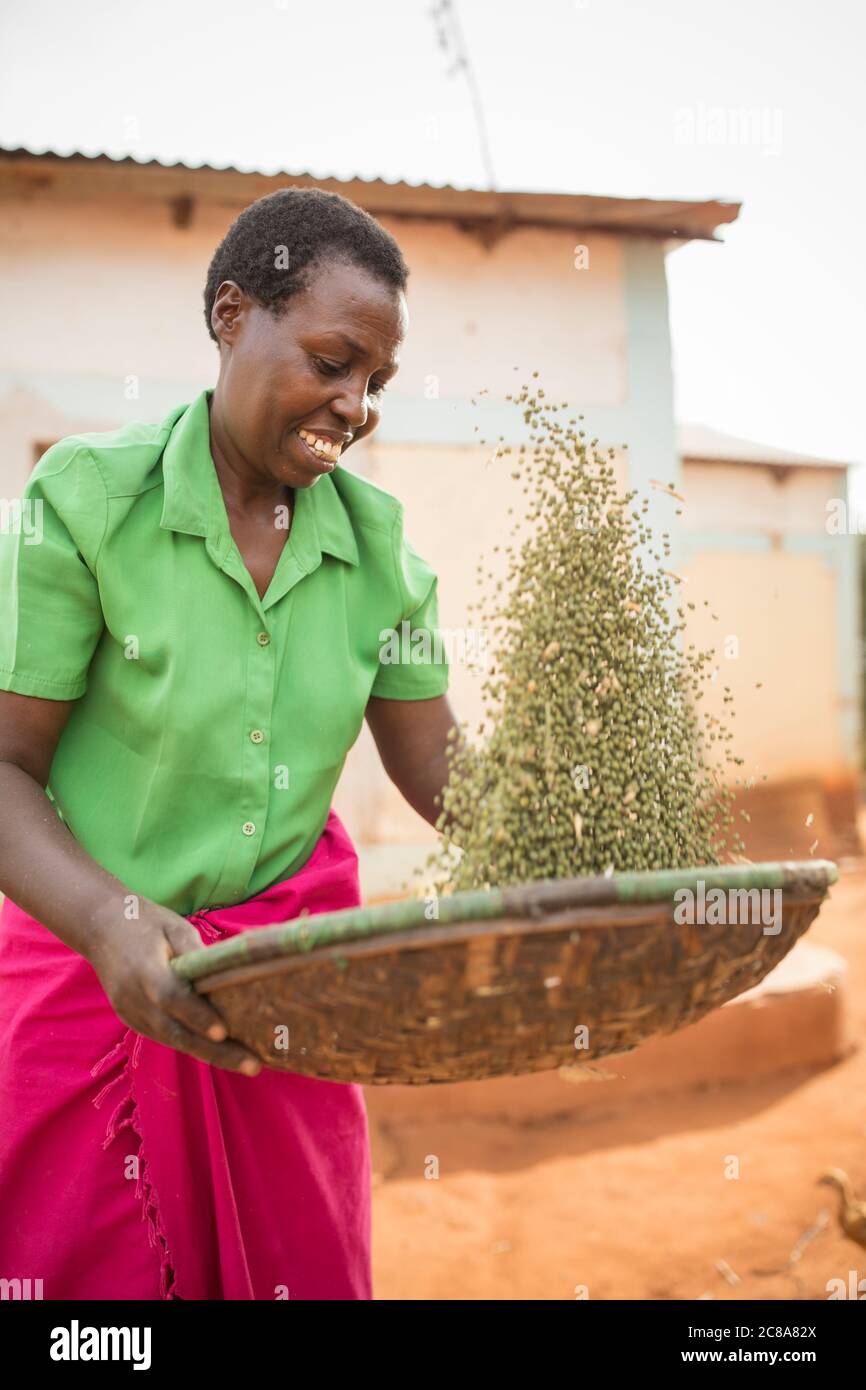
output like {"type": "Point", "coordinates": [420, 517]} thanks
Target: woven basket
{"type": "Point", "coordinates": [501, 981]}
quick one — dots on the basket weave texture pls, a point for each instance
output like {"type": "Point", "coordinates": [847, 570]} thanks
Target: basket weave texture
{"type": "Point", "coordinates": [506, 981]}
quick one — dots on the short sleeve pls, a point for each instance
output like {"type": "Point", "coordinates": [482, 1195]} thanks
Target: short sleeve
{"type": "Point", "coordinates": [50, 612]}
{"type": "Point", "coordinates": [413, 663]}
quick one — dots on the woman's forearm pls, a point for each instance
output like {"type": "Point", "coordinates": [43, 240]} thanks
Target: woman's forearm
{"type": "Point", "coordinates": [46, 872]}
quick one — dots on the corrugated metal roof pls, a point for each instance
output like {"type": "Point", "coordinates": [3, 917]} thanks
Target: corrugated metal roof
{"type": "Point", "coordinates": [49, 172]}
{"type": "Point", "coordinates": [48, 152]}
{"type": "Point", "coordinates": [700, 444]}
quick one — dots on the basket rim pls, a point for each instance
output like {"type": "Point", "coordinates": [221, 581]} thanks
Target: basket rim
{"type": "Point", "coordinates": [801, 879]}
{"type": "Point", "coordinates": [569, 923]}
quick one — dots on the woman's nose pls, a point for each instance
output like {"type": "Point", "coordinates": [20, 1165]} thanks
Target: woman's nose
{"type": "Point", "coordinates": [353, 405]}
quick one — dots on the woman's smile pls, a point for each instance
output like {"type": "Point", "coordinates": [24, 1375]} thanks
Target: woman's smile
{"type": "Point", "coordinates": [323, 455]}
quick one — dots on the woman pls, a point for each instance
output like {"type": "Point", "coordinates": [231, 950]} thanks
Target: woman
{"type": "Point", "coordinates": [189, 643]}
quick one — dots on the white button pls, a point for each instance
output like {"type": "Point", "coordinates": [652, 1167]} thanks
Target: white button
{"type": "Point", "coordinates": [257, 736]}
{"type": "Point", "coordinates": [249, 828]}
{"type": "Point", "coordinates": [263, 639]}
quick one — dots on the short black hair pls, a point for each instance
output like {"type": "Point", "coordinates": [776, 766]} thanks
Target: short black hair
{"type": "Point", "coordinates": [270, 249]}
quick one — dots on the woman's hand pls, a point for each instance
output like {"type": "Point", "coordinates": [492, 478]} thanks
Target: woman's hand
{"type": "Point", "coordinates": [132, 962]}
{"type": "Point", "coordinates": [47, 873]}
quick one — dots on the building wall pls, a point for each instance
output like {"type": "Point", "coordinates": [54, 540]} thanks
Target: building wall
{"type": "Point", "coordinates": [109, 326]}
{"type": "Point", "coordinates": [756, 544]}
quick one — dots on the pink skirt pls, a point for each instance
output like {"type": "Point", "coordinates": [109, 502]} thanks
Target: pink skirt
{"type": "Point", "coordinates": [129, 1170]}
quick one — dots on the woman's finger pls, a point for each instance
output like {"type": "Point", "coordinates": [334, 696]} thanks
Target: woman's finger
{"type": "Point", "coordinates": [229, 1055]}
{"type": "Point", "coordinates": [180, 999]}
{"type": "Point", "coordinates": [193, 1010]}
{"type": "Point", "coordinates": [181, 935]}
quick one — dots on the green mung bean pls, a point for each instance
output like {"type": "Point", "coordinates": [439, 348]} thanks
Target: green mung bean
{"type": "Point", "coordinates": [597, 758]}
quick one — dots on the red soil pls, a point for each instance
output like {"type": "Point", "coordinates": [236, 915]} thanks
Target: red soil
{"type": "Point", "coordinates": [636, 1204]}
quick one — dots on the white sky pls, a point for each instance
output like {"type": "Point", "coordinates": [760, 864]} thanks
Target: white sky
{"type": "Point", "coordinates": [581, 96]}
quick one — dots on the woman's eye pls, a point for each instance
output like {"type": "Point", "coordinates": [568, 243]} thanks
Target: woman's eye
{"type": "Point", "coordinates": [329, 368]}
{"type": "Point", "coordinates": [335, 368]}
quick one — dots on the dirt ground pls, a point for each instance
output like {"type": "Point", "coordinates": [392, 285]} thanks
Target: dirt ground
{"type": "Point", "coordinates": [636, 1204]}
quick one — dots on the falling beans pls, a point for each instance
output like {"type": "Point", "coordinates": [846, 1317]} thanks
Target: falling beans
{"type": "Point", "coordinates": [596, 756]}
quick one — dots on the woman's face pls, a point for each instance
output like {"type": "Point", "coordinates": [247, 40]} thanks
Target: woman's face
{"type": "Point", "coordinates": [319, 368]}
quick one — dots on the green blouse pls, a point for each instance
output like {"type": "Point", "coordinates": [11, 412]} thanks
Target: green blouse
{"type": "Point", "coordinates": [200, 764]}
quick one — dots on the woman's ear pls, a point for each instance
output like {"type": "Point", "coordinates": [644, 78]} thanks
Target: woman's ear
{"type": "Point", "coordinates": [227, 309]}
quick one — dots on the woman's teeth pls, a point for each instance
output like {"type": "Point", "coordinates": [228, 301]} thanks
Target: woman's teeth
{"type": "Point", "coordinates": [326, 448]}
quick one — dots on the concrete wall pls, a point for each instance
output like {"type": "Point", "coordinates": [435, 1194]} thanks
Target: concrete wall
{"type": "Point", "coordinates": [107, 306]}
{"type": "Point", "coordinates": [756, 543]}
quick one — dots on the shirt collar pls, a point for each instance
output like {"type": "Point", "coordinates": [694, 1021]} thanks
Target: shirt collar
{"type": "Point", "coordinates": [193, 500]}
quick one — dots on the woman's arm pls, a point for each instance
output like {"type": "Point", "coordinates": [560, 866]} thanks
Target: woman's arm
{"type": "Point", "coordinates": [412, 739]}
{"type": "Point", "coordinates": [47, 873]}
{"type": "Point", "coordinates": [42, 867]}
